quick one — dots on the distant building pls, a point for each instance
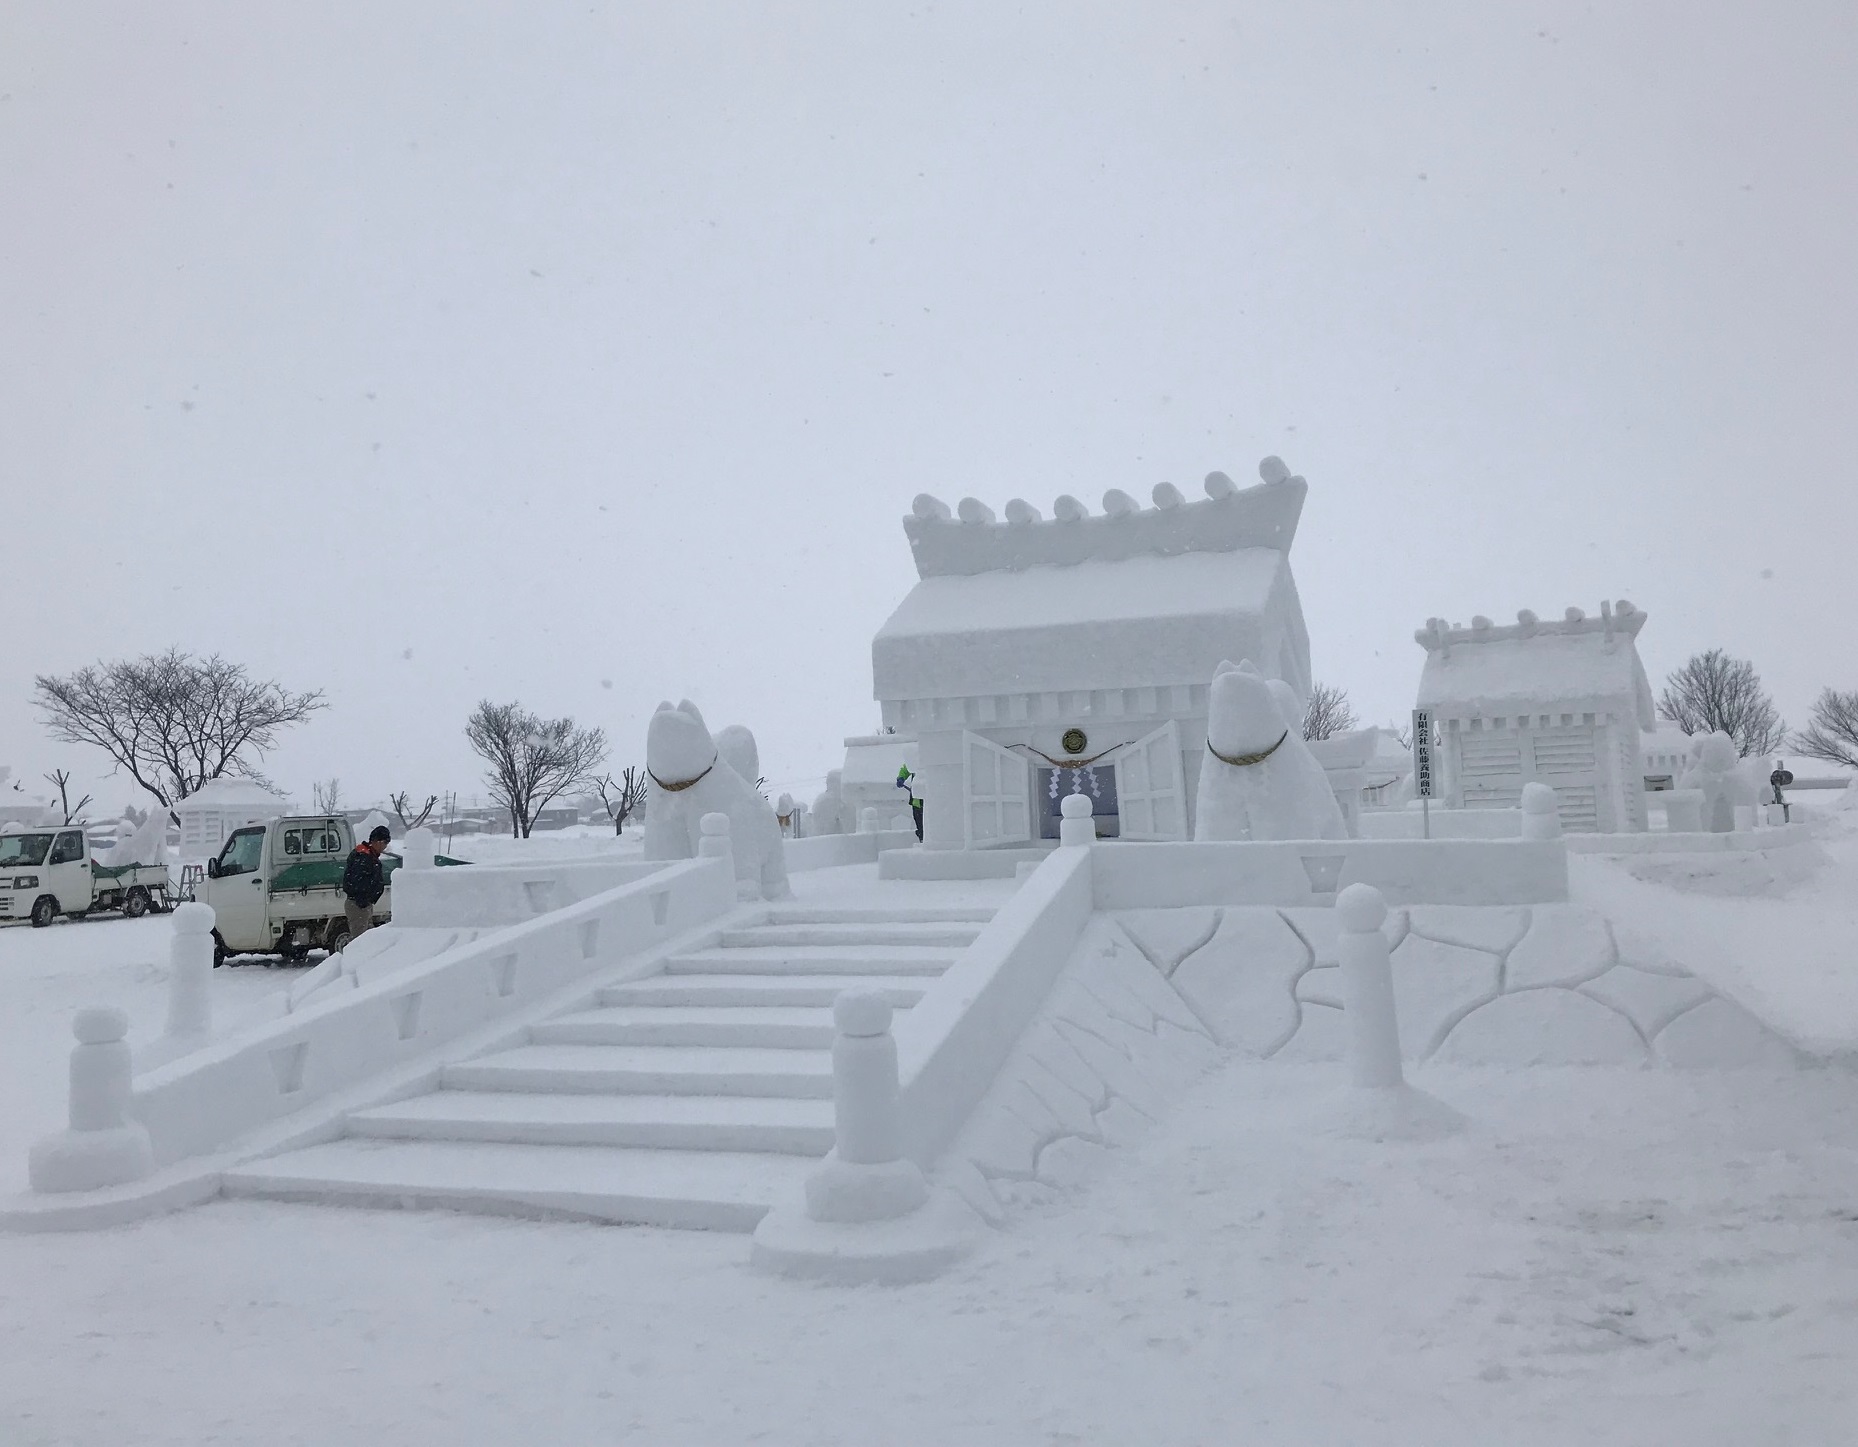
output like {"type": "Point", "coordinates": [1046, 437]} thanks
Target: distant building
{"type": "Point", "coordinates": [1562, 703]}
{"type": "Point", "coordinates": [1666, 752]}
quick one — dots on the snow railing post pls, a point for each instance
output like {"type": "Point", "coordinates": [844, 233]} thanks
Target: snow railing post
{"type": "Point", "coordinates": [103, 1146]}
{"type": "Point", "coordinates": [870, 821]}
{"type": "Point", "coordinates": [420, 848]}
{"type": "Point", "coordinates": [190, 972]}
{"type": "Point", "coordinates": [1541, 815]}
{"type": "Point", "coordinates": [1075, 824]}
{"type": "Point", "coordinates": [1379, 1105]}
{"type": "Point", "coordinates": [867, 1213]}
{"type": "Point", "coordinates": [1367, 988]}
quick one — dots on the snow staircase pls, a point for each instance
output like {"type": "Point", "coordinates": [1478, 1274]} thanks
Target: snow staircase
{"type": "Point", "coordinates": [691, 1098]}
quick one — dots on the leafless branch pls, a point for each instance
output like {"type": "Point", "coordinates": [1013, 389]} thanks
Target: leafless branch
{"type": "Point", "coordinates": [1831, 733]}
{"type": "Point", "coordinates": [409, 817]}
{"type": "Point", "coordinates": [1715, 693]}
{"type": "Point", "coordinates": [60, 779]}
{"type": "Point", "coordinates": [1328, 713]}
{"type": "Point", "coordinates": [531, 759]}
{"type": "Point", "coordinates": [621, 797]}
{"type": "Point", "coordinates": [170, 720]}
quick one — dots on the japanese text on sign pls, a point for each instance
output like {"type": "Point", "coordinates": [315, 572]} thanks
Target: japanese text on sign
{"type": "Point", "coordinates": [1422, 754]}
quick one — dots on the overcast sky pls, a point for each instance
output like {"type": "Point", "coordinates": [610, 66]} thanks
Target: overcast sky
{"type": "Point", "coordinates": [590, 355]}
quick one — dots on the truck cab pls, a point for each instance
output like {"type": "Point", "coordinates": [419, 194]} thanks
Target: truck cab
{"type": "Point", "coordinates": [44, 873]}
{"type": "Point", "coordinates": [276, 888]}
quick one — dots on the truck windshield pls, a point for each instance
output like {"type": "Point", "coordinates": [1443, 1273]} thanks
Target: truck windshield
{"type": "Point", "coordinates": [23, 849]}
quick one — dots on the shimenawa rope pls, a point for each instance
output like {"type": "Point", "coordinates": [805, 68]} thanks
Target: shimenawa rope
{"type": "Point", "coordinates": [1240, 761]}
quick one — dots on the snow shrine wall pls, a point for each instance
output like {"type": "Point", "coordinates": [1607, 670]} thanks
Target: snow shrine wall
{"type": "Point", "coordinates": [1036, 658]}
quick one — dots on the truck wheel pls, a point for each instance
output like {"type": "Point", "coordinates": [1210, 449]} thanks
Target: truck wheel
{"type": "Point", "coordinates": [335, 935]}
{"type": "Point", "coordinates": [135, 903]}
{"type": "Point", "coordinates": [219, 949]}
{"type": "Point", "coordinates": [44, 911]}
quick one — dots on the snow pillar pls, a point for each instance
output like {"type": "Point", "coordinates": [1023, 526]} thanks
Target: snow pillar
{"type": "Point", "coordinates": [1541, 815]}
{"type": "Point", "coordinates": [190, 972]}
{"type": "Point", "coordinates": [713, 840]}
{"type": "Point", "coordinates": [1379, 1105]}
{"type": "Point", "coordinates": [420, 848]}
{"type": "Point", "coordinates": [1367, 987]}
{"type": "Point", "coordinates": [103, 1146]}
{"type": "Point", "coordinates": [1076, 824]}
{"type": "Point", "coordinates": [870, 821]}
{"type": "Point", "coordinates": [867, 1213]}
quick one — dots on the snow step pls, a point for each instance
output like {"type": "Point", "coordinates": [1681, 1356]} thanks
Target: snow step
{"type": "Point", "coordinates": [779, 1027]}
{"type": "Point", "coordinates": [957, 936]}
{"type": "Point", "coordinates": [726, 989]}
{"type": "Point", "coordinates": [895, 960]}
{"type": "Point", "coordinates": [918, 914]}
{"type": "Point", "coordinates": [674, 1122]}
{"type": "Point", "coordinates": [647, 1070]}
{"type": "Point", "coordinates": [695, 1190]}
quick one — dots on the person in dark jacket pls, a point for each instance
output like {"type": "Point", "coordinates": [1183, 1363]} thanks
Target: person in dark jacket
{"type": "Point", "coordinates": [363, 882]}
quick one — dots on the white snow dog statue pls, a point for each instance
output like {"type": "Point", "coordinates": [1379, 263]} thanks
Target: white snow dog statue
{"type": "Point", "coordinates": [1718, 775]}
{"type": "Point", "coordinates": [1259, 779]}
{"type": "Point", "coordinates": [688, 778]}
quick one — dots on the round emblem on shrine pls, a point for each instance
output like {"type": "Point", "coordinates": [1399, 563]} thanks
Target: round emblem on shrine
{"type": "Point", "coordinates": [1075, 741]}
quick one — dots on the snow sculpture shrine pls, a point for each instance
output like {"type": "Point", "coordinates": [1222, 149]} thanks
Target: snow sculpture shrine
{"type": "Point", "coordinates": [1036, 658]}
{"type": "Point", "coordinates": [1559, 703]}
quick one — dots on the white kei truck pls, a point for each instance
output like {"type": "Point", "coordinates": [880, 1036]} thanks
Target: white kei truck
{"type": "Point", "coordinates": [276, 888]}
{"type": "Point", "coordinates": [48, 872]}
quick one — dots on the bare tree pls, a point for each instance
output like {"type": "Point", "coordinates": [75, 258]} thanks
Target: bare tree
{"type": "Point", "coordinates": [60, 779]}
{"type": "Point", "coordinates": [620, 797]}
{"type": "Point", "coordinates": [1328, 713]}
{"type": "Point", "coordinates": [1715, 693]}
{"type": "Point", "coordinates": [1831, 733]}
{"type": "Point", "coordinates": [327, 795]}
{"type": "Point", "coordinates": [531, 759]}
{"type": "Point", "coordinates": [172, 721]}
{"type": "Point", "coordinates": [409, 817]}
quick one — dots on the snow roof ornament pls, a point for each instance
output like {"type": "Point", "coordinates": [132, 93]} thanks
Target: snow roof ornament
{"type": "Point", "coordinates": [1493, 670]}
{"type": "Point", "coordinates": [1132, 597]}
{"type": "Point", "coordinates": [969, 539]}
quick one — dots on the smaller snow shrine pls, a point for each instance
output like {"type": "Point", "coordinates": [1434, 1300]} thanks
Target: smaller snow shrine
{"type": "Point", "coordinates": [219, 806]}
{"type": "Point", "coordinates": [1037, 658]}
{"type": "Point", "coordinates": [1560, 703]}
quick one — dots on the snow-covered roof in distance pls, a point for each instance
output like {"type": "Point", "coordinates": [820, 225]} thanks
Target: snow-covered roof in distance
{"type": "Point", "coordinates": [230, 793]}
{"type": "Point", "coordinates": [1574, 663]}
{"type": "Point", "coordinates": [1227, 520]}
{"type": "Point", "coordinates": [1134, 622]}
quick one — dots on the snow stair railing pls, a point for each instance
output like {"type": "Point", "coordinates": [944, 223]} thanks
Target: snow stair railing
{"type": "Point", "coordinates": [868, 1212]}
{"type": "Point", "coordinates": [162, 1141]}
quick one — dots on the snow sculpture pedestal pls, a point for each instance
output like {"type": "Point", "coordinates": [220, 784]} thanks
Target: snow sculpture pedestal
{"type": "Point", "coordinates": [103, 1146]}
{"type": "Point", "coordinates": [420, 848]}
{"type": "Point", "coordinates": [868, 1215]}
{"type": "Point", "coordinates": [1379, 1104]}
{"type": "Point", "coordinates": [1541, 814]}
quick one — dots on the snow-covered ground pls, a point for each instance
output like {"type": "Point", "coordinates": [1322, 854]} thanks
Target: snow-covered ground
{"type": "Point", "coordinates": [1631, 1257]}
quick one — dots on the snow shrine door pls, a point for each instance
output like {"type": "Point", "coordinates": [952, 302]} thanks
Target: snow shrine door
{"type": "Point", "coordinates": [996, 792]}
{"type": "Point", "coordinates": [1151, 787]}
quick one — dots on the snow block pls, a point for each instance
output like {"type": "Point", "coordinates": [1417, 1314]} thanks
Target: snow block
{"type": "Point", "coordinates": [1565, 945]}
{"type": "Point", "coordinates": [1544, 1027]}
{"type": "Point", "coordinates": [1433, 984]}
{"type": "Point", "coordinates": [1721, 1035]}
{"type": "Point", "coordinates": [1650, 1001]}
{"type": "Point", "coordinates": [1070, 1162]}
{"type": "Point", "coordinates": [1321, 1038]}
{"type": "Point", "coordinates": [1492, 929]}
{"type": "Point", "coordinates": [1241, 981]}
{"type": "Point", "coordinates": [915, 1247]}
{"type": "Point", "coordinates": [1168, 936]}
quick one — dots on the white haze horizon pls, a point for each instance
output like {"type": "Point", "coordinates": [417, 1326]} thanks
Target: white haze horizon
{"type": "Point", "coordinates": [590, 356]}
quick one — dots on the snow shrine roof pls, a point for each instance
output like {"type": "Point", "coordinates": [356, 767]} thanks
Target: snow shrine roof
{"type": "Point", "coordinates": [1531, 666]}
{"type": "Point", "coordinates": [229, 792]}
{"type": "Point", "coordinates": [1133, 598]}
